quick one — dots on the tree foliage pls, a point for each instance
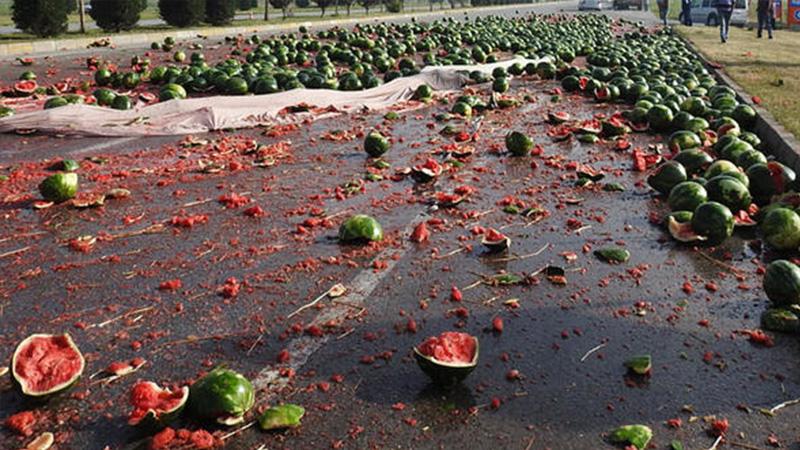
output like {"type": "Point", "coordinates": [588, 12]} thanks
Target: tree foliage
{"type": "Point", "coordinates": [393, 6]}
{"type": "Point", "coordinates": [283, 5]}
{"type": "Point", "coordinates": [220, 12]}
{"type": "Point", "coordinates": [44, 18]}
{"type": "Point", "coordinates": [367, 4]}
{"type": "Point", "coordinates": [117, 15]}
{"type": "Point", "coordinates": [182, 13]}
{"type": "Point", "coordinates": [323, 5]}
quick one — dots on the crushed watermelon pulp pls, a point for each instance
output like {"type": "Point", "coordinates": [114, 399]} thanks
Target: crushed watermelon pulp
{"type": "Point", "coordinates": [450, 347]}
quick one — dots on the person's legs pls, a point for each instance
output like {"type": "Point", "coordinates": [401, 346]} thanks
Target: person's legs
{"type": "Point", "coordinates": [724, 23]}
{"type": "Point", "coordinates": [662, 12]}
{"type": "Point", "coordinates": [688, 15]}
{"type": "Point", "coordinates": [728, 14]}
{"type": "Point", "coordinates": [769, 24]}
{"type": "Point", "coordinates": [761, 18]}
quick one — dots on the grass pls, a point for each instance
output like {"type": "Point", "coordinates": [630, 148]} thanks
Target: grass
{"type": "Point", "coordinates": [769, 69]}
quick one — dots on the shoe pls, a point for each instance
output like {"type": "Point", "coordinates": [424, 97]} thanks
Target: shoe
{"type": "Point", "coordinates": [770, 37]}
{"type": "Point", "coordinates": [758, 36]}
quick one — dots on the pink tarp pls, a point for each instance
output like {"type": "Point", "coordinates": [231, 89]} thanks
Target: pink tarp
{"type": "Point", "coordinates": [199, 115]}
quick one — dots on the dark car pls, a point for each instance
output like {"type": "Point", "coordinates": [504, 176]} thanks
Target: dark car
{"type": "Point", "coordinates": [629, 4]}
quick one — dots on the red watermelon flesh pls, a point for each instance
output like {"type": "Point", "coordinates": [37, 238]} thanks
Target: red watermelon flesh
{"type": "Point", "coordinates": [450, 347]}
{"type": "Point", "coordinates": [47, 363]}
{"type": "Point", "coordinates": [147, 396]}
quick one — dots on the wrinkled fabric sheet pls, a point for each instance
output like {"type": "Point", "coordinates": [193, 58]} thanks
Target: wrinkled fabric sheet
{"type": "Point", "coordinates": [200, 115]}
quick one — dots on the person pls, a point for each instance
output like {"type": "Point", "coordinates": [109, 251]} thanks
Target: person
{"type": "Point", "coordinates": [663, 9]}
{"type": "Point", "coordinates": [686, 11]}
{"type": "Point", "coordinates": [724, 11]}
{"type": "Point", "coordinates": [766, 14]}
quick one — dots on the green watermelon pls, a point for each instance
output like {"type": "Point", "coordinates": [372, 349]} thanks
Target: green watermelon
{"type": "Point", "coordinates": [666, 176]}
{"type": "Point", "coordinates": [729, 191]}
{"type": "Point", "coordinates": [687, 196]}
{"type": "Point", "coordinates": [713, 220]}
{"type": "Point", "coordinates": [782, 283]}
{"type": "Point", "coordinates": [781, 229]}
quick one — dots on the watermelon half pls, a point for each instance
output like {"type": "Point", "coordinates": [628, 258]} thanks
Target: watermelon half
{"type": "Point", "coordinates": [45, 364]}
{"type": "Point", "coordinates": [448, 358]}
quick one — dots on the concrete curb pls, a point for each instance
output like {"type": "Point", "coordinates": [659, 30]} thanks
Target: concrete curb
{"type": "Point", "coordinates": [30, 48]}
{"type": "Point", "coordinates": [779, 142]}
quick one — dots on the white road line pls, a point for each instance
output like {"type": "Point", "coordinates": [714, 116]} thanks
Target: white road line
{"type": "Point", "coordinates": [359, 289]}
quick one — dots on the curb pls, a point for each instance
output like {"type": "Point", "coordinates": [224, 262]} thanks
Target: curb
{"type": "Point", "coordinates": [779, 142]}
{"type": "Point", "coordinates": [12, 50]}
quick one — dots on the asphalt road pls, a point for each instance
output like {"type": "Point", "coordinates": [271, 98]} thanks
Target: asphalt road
{"type": "Point", "coordinates": [358, 380]}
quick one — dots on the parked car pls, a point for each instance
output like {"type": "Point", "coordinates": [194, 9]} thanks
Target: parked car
{"type": "Point", "coordinates": [704, 11]}
{"type": "Point", "coordinates": [597, 5]}
{"type": "Point", "coordinates": [629, 4]}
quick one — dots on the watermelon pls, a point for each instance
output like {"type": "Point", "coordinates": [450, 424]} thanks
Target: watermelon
{"type": "Point", "coordinates": [154, 406]}
{"type": "Point", "coordinates": [781, 229]}
{"type": "Point", "coordinates": [782, 283]}
{"type": "Point", "coordinates": [518, 144]}
{"type": "Point", "coordinates": [713, 220]}
{"type": "Point", "coordinates": [694, 160]}
{"type": "Point", "coordinates": [448, 358]}
{"type": "Point", "coordinates": [45, 364]}
{"type": "Point", "coordinates": [360, 228]}
{"type": "Point", "coordinates": [221, 395]}
{"type": "Point", "coordinates": [666, 176]}
{"type": "Point", "coordinates": [686, 196]}
{"type": "Point", "coordinates": [729, 191]}
{"type": "Point", "coordinates": [375, 144]}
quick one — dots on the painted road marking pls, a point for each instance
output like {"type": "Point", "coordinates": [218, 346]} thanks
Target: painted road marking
{"type": "Point", "coordinates": [359, 289]}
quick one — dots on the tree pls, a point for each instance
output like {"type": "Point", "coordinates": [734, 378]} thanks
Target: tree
{"type": "Point", "coordinates": [44, 18]}
{"type": "Point", "coordinates": [117, 15]}
{"type": "Point", "coordinates": [393, 6]}
{"type": "Point", "coordinates": [246, 5]}
{"type": "Point", "coordinates": [283, 5]}
{"type": "Point", "coordinates": [72, 6]}
{"type": "Point", "coordinates": [182, 13]}
{"type": "Point", "coordinates": [323, 5]}
{"type": "Point", "coordinates": [346, 3]}
{"type": "Point", "coordinates": [220, 12]}
{"type": "Point", "coordinates": [367, 4]}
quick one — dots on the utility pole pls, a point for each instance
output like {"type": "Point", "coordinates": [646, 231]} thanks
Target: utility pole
{"type": "Point", "coordinates": [81, 6]}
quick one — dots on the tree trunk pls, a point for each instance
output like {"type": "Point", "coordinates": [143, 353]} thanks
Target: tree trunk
{"type": "Point", "coordinates": [81, 13]}
{"type": "Point", "coordinates": [266, 10]}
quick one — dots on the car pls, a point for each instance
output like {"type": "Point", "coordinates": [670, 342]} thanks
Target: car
{"type": "Point", "coordinates": [596, 5]}
{"type": "Point", "coordinates": [629, 4]}
{"type": "Point", "coordinates": [704, 11]}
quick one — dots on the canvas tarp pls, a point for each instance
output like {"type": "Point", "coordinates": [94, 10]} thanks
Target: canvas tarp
{"type": "Point", "coordinates": [199, 115]}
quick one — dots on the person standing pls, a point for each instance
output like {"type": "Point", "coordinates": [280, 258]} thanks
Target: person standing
{"type": "Point", "coordinates": [663, 9]}
{"type": "Point", "coordinates": [686, 10]}
{"type": "Point", "coordinates": [766, 14]}
{"type": "Point", "coordinates": [724, 11]}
